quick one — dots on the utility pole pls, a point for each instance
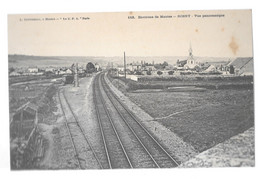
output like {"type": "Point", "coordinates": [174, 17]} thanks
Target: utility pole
{"type": "Point", "coordinates": [76, 78]}
{"type": "Point", "coordinates": [125, 67]}
{"type": "Point", "coordinates": [117, 79]}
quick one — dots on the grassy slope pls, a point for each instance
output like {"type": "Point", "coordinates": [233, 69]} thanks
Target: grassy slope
{"type": "Point", "coordinates": [206, 118]}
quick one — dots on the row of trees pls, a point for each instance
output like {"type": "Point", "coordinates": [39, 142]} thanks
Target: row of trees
{"type": "Point", "coordinates": [161, 65]}
{"type": "Point", "coordinates": [158, 73]}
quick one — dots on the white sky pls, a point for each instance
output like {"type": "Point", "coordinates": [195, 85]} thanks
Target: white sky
{"type": "Point", "coordinates": [109, 34]}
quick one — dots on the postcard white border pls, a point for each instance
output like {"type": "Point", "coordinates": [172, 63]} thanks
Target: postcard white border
{"type": "Point", "coordinates": [50, 6]}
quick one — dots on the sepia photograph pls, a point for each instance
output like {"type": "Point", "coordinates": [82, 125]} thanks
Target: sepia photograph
{"type": "Point", "coordinates": [131, 90]}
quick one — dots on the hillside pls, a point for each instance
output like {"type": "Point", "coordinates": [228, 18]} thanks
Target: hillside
{"type": "Point", "coordinates": [44, 61]}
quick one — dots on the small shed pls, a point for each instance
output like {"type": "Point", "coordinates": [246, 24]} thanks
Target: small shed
{"type": "Point", "coordinates": [24, 120]}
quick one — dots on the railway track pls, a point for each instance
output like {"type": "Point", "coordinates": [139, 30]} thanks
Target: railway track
{"type": "Point", "coordinates": [84, 153]}
{"type": "Point", "coordinates": [116, 155]}
{"type": "Point", "coordinates": [140, 148]}
{"type": "Point", "coordinates": [158, 153]}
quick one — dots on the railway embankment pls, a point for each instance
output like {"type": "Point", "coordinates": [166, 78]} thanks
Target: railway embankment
{"type": "Point", "coordinates": [238, 151]}
{"type": "Point", "coordinates": [175, 145]}
{"type": "Point", "coordinates": [232, 152]}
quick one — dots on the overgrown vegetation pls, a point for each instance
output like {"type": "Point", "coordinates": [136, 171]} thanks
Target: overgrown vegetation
{"type": "Point", "coordinates": [40, 94]}
{"type": "Point", "coordinates": [47, 105]}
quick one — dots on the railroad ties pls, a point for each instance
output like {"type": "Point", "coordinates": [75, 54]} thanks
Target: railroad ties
{"type": "Point", "coordinates": [123, 141]}
{"type": "Point", "coordinates": [80, 143]}
{"type": "Point", "coordinates": [127, 143]}
{"type": "Point", "coordinates": [117, 156]}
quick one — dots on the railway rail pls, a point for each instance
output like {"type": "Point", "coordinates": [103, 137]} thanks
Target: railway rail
{"type": "Point", "coordinates": [117, 157]}
{"type": "Point", "coordinates": [123, 141]}
{"type": "Point", "coordinates": [79, 140]}
{"type": "Point", "coordinates": [156, 150]}
{"type": "Point", "coordinates": [124, 122]}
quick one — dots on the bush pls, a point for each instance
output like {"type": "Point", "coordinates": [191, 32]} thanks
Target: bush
{"type": "Point", "coordinates": [138, 73]}
{"type": "Point", "coordinates": [159, 72]}
{"type": "Point", "coordinates": [170, 72]}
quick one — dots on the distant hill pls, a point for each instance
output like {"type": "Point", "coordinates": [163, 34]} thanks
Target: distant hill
{"type": "Point", "coordinates": [44, 61]}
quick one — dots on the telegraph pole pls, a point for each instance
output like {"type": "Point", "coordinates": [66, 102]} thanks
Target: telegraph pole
{"type": "Point", "coordinates": [125, 67]}
{"type": "Point", "coordinates": [76, 78]}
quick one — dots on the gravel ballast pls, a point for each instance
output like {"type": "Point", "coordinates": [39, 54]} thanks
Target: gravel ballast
{"type": "Point", "coordinates": [175, 145]}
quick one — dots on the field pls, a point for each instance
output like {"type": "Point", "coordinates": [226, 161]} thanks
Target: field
{"type": "Point", "coordinates": [201, 118]}
{"type": "Point", "coordinates": [208, 82]}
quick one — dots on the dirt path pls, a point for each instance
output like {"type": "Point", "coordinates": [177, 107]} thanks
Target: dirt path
{"type": "Point", "coordinates": [59, 153]}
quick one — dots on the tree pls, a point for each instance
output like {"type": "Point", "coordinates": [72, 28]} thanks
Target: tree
{"type": "Point", "coordinates": [49, 73]}
{"type": "Point", "coordinates": [149, 72]}
{"type": "Point", "coordinates": [159, 72]}
{"type": "Point", "coordinates": [170, 72]}
{"type": "Point", "coordinates": [90, 68]}
{"type": "Point", "coordinates": [11, 69]}
{"type": "Point", "coordinates": [157, 66]}
{"type": "Point", "coordinates": [197, 68]}
{"type": "Point", "coordinates": [165, 64]}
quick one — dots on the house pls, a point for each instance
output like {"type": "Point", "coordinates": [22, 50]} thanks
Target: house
{"type": "Point", "coordinates": [144, 72]}
{"type": "Point", "coordinates": [149, 67]}
{"type": "Point", "coordinates": [68, 71]}
{"type": "Point", "coordinates": [165, 72]}
{"type": "Point", "coordinates": [50, 69]}
{"type": "Point", "coordinates": [211, 68]}
{"type": "Point", "coordinates": [81, 71]}
{"type": "Point", "coordinates": [14, 73]}
{"type": "Point", "coordinates": [59, 72]}
{"type": "Point", "coordinates": [33, 70]}
{"type": "Point", "coordinates": [63, 71]}
{"type": "Point", "coordinates": [242, 66]}
{"type": "Point", "coordinates": [135, 66]}
{"type": "Point", "coordinates": [97, 67]}
{"type": "Point", "coordinates": [181, 63]}
{"type": "Point", "coordinates": [120, 68]}
{"type": "Point", "coordinates": [154, 72]}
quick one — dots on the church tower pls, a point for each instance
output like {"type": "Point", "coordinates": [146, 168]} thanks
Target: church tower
{"type": "Point", "coordinates": [190, 51]}
{"type": "Point", "coordinates": [190, 61]}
